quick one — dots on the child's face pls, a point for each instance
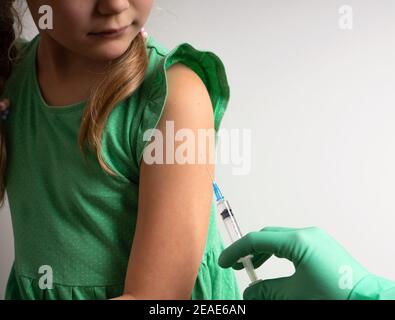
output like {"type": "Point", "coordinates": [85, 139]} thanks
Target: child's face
{"type": "Point", "coordinates": [78, 24]}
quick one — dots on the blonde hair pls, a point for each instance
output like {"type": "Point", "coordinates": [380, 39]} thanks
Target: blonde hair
{"type": "Point", "coordinates": [124, 76]}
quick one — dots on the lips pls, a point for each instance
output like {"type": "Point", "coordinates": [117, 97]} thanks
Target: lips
{"type": "Point", "coordinates": [110, 32]}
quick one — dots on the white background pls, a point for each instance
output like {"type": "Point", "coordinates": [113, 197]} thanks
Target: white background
{"type": "Point", "coordinates": [320, 103]}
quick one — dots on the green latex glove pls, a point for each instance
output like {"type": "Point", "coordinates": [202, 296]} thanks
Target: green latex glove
{"type": "Point", "coordinates": [323, 269]}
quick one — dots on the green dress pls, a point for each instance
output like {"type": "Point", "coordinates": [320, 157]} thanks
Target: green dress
{"type": "Point", "coordinates": [67, 213]}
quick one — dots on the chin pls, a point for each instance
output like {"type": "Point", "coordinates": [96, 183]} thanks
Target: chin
{"type": "Point", "coordinates": [108, 52]}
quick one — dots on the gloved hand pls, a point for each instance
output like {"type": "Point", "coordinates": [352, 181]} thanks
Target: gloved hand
{"type": "Point", "coordinates": [323, 269]}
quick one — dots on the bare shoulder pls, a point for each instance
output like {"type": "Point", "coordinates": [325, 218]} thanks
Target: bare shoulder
{"type": "Point", "coordinates": [182, 74]}
{"type": "Point", "coordinates": [188, 96]}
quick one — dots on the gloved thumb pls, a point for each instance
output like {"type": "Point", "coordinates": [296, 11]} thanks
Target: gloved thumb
{"type": "Point", "coordinates": [273, 289]}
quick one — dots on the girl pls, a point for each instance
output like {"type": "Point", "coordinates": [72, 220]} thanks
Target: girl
{"type": "Point", "coordinates": [91, 219]}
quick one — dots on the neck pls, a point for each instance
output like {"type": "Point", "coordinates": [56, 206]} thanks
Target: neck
{"type": "Point", "coordinates": [61, 63]}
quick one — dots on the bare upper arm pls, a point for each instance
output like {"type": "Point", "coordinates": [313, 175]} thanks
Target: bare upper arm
{"type": "Point", "coordinates": [174, 202]}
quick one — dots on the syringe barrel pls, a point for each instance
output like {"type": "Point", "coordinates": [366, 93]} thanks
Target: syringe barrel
{"type": "Point", "coordinates": [235, 234]}
{"type": "Point", "coordinates": [229, 220]}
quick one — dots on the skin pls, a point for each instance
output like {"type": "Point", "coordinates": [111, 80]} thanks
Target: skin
{"type": "Point", "coordinates": [70, 58]}
{"type": "Point", "coordinates": [171, 231]}
{"type": "Point", "coordinates": [4, 104]}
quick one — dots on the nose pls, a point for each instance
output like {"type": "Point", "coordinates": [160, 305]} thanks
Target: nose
{"type": "Point", "coordinates": [109, 7]}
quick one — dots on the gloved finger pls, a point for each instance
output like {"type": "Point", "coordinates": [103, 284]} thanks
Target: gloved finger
{"type": "Point", "coordinates": [260, 260]}
{"type": "Point", "coordinates": [273, 289]}
{"type": "Point", "coordinates": [256, 243]}
{"type": "Point", "coordinates": [257, 261]}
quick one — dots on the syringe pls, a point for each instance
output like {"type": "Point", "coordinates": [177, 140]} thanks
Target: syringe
{"type": "Point", "coordinates": [233, 230]}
